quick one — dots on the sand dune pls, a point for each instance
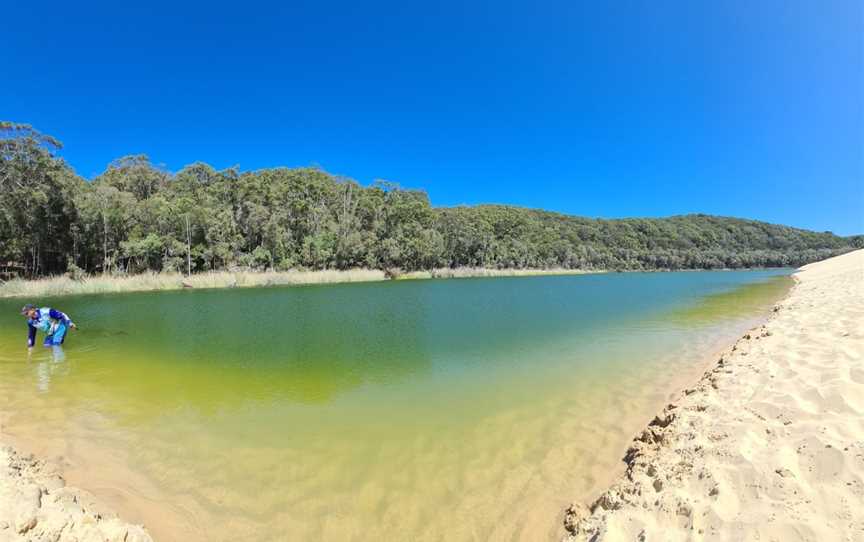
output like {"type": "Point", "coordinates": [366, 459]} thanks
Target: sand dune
{"type": "Point", "coordinates": [769, 445]}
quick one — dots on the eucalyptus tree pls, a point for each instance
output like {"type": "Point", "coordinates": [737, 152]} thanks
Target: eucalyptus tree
{"type": "Point", "coordinates": [36, 216]}
{"type": "Point", "coordinates": [136, 216]}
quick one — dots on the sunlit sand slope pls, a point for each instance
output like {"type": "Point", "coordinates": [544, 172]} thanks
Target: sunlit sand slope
{"type": "Point", "coordinates": [768, 445]}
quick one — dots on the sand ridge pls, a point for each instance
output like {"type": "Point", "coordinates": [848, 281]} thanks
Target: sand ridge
{"type": "Point", "coordinates": [768, 445]}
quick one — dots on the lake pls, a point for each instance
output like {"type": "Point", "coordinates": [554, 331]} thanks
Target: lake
{"type": "Point", "coordinates": [460, 409]}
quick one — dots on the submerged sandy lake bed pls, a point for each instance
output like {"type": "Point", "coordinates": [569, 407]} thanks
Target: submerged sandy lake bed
{"type": "Point", "coordinates": [465, 409]}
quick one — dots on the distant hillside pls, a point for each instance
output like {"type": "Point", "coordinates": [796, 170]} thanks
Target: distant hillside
{"type": "Point", "coordinates": [496, 235]}
{"type": "Point", "coordinates": [136, 217]}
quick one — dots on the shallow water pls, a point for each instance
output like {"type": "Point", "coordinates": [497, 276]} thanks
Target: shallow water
{"type": "Point", "coordinates": [462, 409]}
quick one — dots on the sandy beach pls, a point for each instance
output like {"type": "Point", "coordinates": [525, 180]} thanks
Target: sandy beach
{"type": "Point", "coordinates": [768, 445]}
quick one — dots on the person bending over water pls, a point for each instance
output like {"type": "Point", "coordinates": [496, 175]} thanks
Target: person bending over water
{"type": "Point", "coordinates": [54, 323]}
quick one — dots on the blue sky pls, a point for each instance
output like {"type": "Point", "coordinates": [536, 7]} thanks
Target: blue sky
{"type": "Point", "coordinates": [741, 108]}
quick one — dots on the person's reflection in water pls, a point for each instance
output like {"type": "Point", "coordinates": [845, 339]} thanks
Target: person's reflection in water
{"type": "Point", "coordinates": [46, 368]}
{"type": "Point", "coordinates": [57, 354]}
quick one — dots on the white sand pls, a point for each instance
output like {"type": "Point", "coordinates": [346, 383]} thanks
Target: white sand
{"type": "Point", "coordinates": [769, 445]}
{"type": "Point", "coordinates": [36, 504]}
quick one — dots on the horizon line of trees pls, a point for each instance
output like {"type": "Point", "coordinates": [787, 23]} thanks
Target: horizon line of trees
{"type": "Point", "coordinates": [137, 217]}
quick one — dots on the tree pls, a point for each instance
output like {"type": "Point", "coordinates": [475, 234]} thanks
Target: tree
{"type": "Point", "coordinates": [136, 216]}
{"type": "Point", "coordinates": [36, 216]}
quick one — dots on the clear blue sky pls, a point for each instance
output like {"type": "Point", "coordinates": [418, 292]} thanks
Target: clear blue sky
{"type": "Point", "coordinates": [743, 108]}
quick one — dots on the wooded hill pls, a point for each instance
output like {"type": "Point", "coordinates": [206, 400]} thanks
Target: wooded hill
{"type": "Point", "coordinates": [136, 217]}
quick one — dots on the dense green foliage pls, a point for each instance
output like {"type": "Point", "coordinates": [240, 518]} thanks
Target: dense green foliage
{"type": "Point", "coordinates": [136, 217]}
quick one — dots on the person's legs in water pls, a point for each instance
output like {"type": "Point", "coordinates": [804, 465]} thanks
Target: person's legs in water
{"type": "Point", "coordinates": [57, 337]}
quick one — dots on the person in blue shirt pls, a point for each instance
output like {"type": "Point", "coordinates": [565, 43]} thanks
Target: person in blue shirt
{"type": "Point", "coordinates": [54, 323]}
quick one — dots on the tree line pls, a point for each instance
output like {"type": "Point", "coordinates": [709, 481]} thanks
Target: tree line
{"type": "Point", "coordinates": [137, 217]}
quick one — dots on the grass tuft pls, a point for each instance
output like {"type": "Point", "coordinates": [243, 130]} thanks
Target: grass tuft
{"type": "Point", "coordinates": [101, 284]}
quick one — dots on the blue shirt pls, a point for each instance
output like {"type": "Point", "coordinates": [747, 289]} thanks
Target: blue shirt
{"type": "Point", "coordinates": [47, 319]}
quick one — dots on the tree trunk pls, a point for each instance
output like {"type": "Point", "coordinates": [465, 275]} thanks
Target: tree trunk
{"type": "Point", "coordinates": [188, 248]}
{"type": "Point", "coordinates": [104, 243]}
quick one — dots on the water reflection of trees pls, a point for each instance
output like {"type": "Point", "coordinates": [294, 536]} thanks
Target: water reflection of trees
{"type": "Point", "coordinates": [212, 350]}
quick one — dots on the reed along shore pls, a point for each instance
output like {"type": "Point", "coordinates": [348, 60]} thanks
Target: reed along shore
{"type": "Point", "coordinates": [144, 282]}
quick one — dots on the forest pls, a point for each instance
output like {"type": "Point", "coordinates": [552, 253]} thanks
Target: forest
{"type": "Point", "coordinates": [137, 217]}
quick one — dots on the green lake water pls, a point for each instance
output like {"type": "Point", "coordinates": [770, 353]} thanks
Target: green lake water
{"type": "Point", "coordinates": [462, 409]}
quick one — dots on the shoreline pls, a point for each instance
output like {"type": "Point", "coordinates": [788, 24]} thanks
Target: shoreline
{"type": "Point", "coordinates": [36, 504]}
{"type": "Point", "coordinates": [63, 285]}
{"type": "Point", "coordinates": [705, 361]}
{"type": "Point", "coordinates": [768, 443]}
{"type": "Point", "coordinates": [151, 282]}
{"type": "Point", "coordinates": [162, 517]}
{"type": "Point", "coordinates": [573, 516]}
